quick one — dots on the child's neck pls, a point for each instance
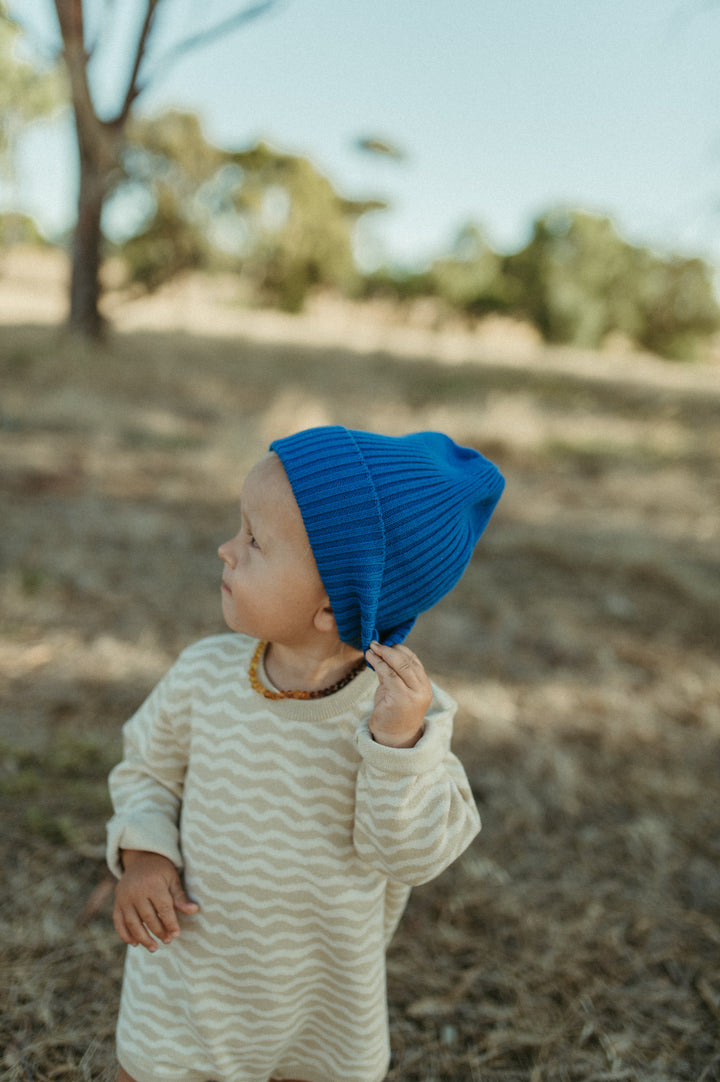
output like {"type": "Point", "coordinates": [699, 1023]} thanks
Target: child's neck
{"type": "Point", "coordinates": [298, 669]}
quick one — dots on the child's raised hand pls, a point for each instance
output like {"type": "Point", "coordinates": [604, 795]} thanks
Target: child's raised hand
{"type": "Point", "coordinates": [147, 899]}
{"type": "Point", "coordinates": [403, 697]}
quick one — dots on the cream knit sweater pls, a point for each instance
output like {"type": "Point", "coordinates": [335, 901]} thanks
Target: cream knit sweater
{"type": "Point", "coordinates": [300, 837]}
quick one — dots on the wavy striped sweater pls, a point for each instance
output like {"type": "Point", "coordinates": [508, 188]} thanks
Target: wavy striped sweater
{"type": "Point", "coordinates": [300, 837]}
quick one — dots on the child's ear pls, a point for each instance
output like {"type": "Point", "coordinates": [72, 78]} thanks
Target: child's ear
{"type": "Point", "coordinates": [324, 617]}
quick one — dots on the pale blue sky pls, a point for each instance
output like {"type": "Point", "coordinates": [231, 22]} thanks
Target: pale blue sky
{"type": "Point", "coordinates": [504, 109]}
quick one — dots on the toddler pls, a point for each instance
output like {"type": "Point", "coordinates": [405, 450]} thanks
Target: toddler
{"type": "Point", "coordinates": [284, 786]}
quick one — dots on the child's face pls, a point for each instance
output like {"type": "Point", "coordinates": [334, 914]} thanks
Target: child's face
{"type": "Point", "coordinates": [271, 587]}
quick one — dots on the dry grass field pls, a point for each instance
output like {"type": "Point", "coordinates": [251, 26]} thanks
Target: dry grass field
{"type": "Point", "coordinates": [578, 940]}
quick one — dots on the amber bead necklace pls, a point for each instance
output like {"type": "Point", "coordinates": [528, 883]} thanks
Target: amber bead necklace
{"type": "Point", "coordinates": [320, 694]}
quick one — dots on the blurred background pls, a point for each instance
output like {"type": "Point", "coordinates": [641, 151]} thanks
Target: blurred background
{"type": "Point", "coordinates": [223, 223]}
{"type": "Point", "coordinates": [554, 162]}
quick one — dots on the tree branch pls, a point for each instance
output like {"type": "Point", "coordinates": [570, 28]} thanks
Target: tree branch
{"type": "Point", "coordinates": [204, 37]}
{"type": "Point", "coordinates": [134, 89]}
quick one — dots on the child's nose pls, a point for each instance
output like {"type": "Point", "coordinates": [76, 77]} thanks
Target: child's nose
{"type": "Point", "coordinates": [225, 552]}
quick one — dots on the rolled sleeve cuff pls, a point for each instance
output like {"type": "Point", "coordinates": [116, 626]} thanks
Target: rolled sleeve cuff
{"type": "Point", "coordinates": [424, 756]}
{"type": "Point", "coordinates": [149, 833]}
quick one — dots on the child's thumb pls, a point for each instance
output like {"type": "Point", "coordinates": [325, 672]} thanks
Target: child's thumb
{"type": "Point", "coordinates": [181, 900]}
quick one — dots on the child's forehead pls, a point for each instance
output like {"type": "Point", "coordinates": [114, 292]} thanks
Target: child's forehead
{"type": "Point", "coordinates": [267, 488]}
{"type": "Point", "coordinates": [268, 474]}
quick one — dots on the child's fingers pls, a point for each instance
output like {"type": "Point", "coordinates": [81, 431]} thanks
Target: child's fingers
{"type": "Point", "coordinates": [386, 674]}
{"type": "Point", "coordinates": [148, 898]}
{"type": "Point", "coordinates": [138, 923]}
{"type": "Point", "coordinates": [122, 929]}
{"type": "Point", "coordinates": [131, 928]}
{"type": "Point", "coordinates": [378, 663]}
{"type": "Point", "coordinates": [181, 900]}
{"type": "Point", "coordinates": [398, 661]}
{"type": "Point", "coordinates": [166, 925]}
{"type": "Point", "coordinates": [160, 920]}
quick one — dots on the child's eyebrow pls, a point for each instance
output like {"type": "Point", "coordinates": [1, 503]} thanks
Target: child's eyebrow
{"type": "Point", "coordinates": [247, 521]}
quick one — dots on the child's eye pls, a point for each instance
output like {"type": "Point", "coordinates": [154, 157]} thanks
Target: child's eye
{"type": "Point", "coordinates": [249, 536]}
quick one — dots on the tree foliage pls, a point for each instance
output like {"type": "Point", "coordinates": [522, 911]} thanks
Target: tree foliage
{"type": "Point", "coordinates": [27, 94]}
{"type": "Point", "coordinates": [168, 162]}
{"type": "Point", "coordinates": [19, 229]}
{"type": "Point", "coordinates": [272, 216]}
{"type": "Point", "coordinates": [578, 281]}
{"type": "Point", "coordinates": [471, 277]}
{"type": "Point", "coordinates": [299, 229]}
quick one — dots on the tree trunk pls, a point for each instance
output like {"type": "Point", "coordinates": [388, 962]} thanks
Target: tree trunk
{"type": "Point", "coordinates": [100, 143]}
{"type": "Point", "coordinates": [99, 146]}
{"type": "Point", "coordinates": [85, 316]}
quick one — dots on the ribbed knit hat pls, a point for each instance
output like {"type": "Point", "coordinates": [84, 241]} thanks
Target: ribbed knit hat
{"type": "Point", "coordinates": [392, 521]}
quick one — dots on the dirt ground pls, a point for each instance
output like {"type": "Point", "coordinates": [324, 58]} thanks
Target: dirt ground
{"type": "Point", "coordinates": [578, 939]}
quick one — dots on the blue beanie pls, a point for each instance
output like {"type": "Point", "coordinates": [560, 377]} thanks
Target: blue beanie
{"type": "Point", "coordinates": [392, 521]}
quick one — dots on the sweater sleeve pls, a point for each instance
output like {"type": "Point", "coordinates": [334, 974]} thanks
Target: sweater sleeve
{"type": "Point", "coordinates": [414, 810]}
{"type": "Point", "coordinates": [146, 786]}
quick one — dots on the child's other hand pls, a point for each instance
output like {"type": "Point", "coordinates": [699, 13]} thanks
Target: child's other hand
{"type": "Point", "coordinates": [402, 698]}
{"type": "Point", "coordinates": [147, 899]}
